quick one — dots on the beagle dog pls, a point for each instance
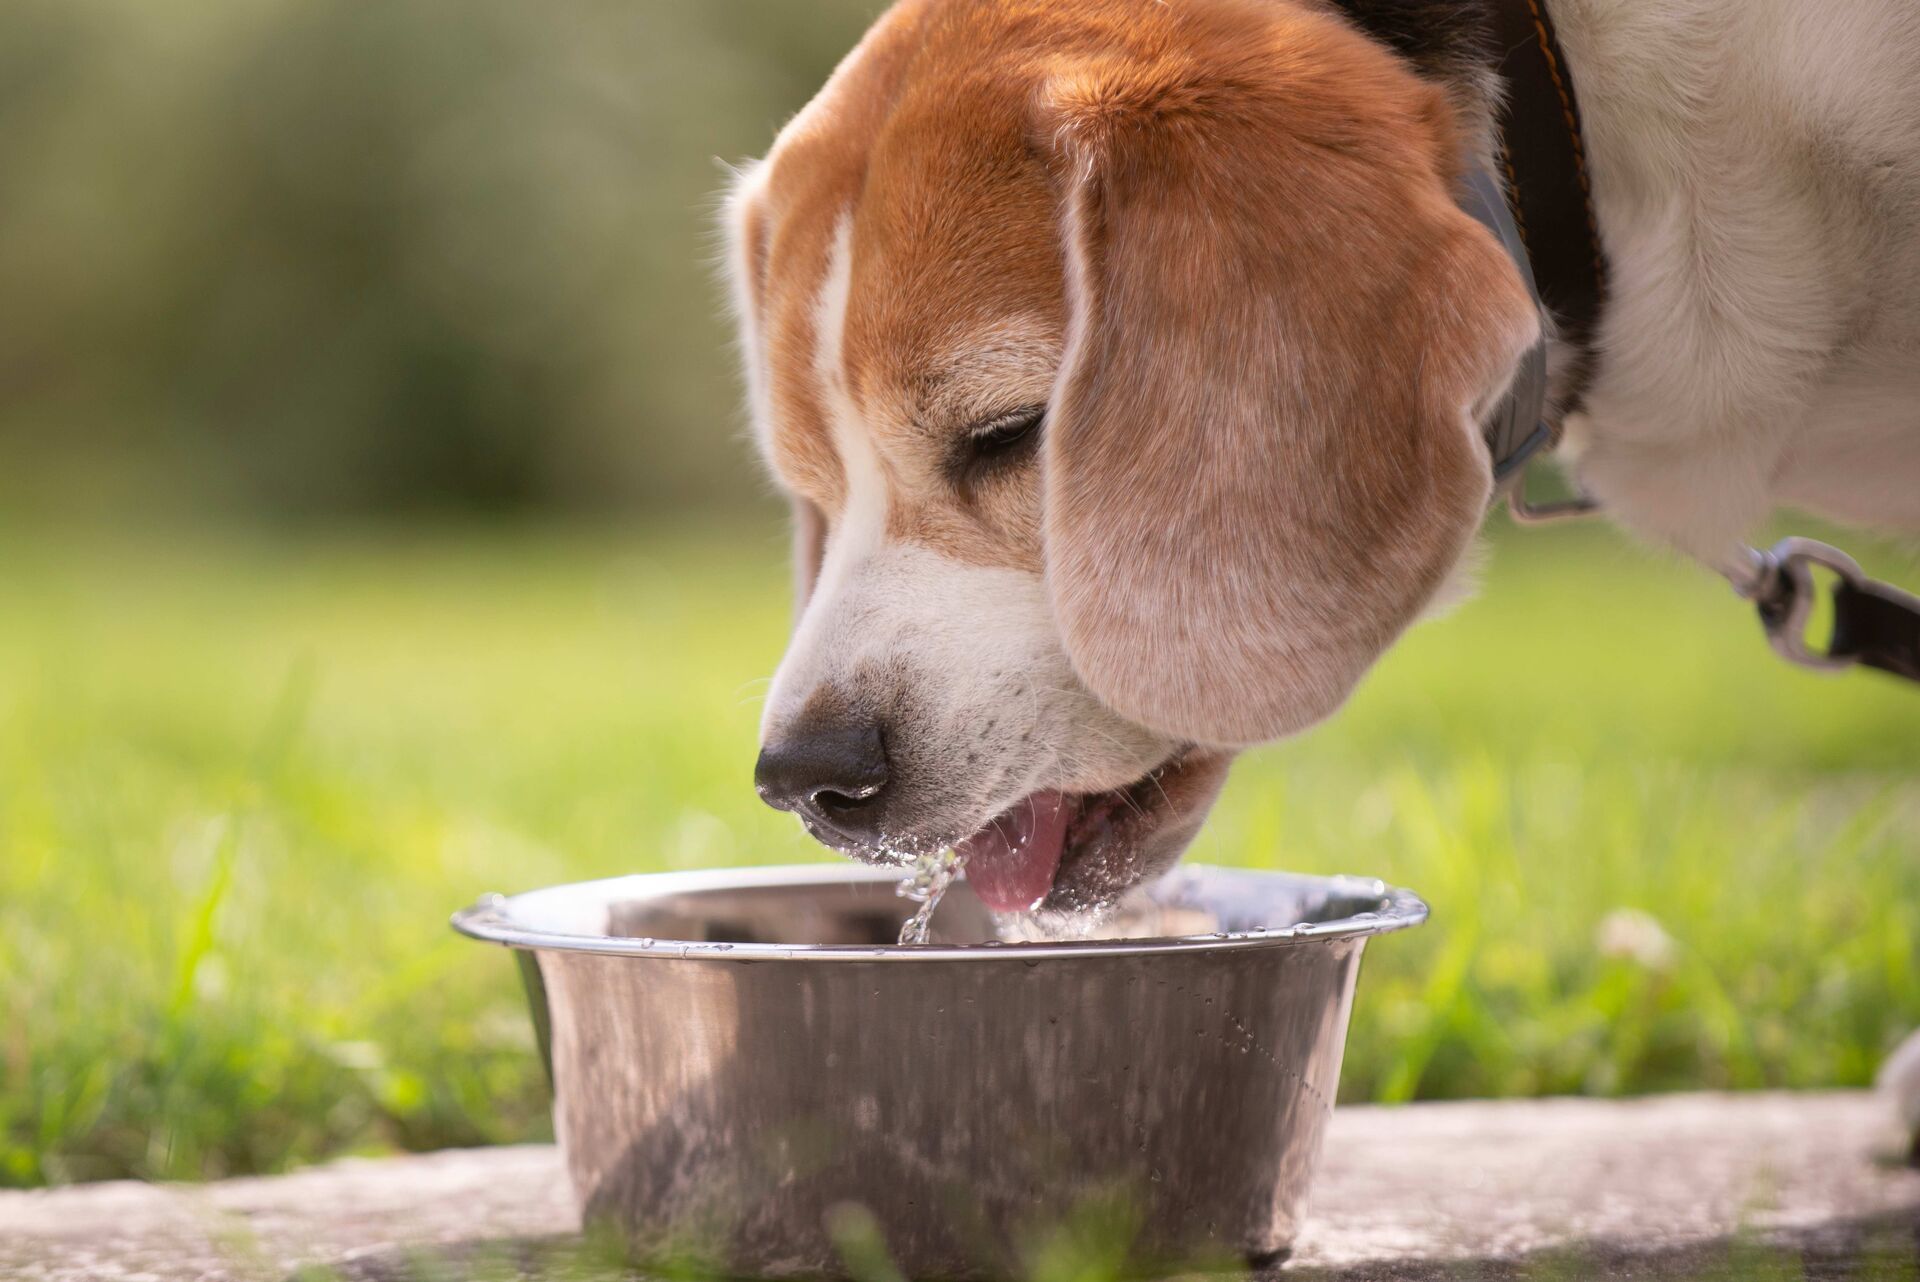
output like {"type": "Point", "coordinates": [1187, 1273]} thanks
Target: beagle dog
{"type": "Point", "coordinates": [1127, 362]}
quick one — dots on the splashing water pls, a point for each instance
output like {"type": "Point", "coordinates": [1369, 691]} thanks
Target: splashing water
{"type": "Point", "coordinates": [927, 879]}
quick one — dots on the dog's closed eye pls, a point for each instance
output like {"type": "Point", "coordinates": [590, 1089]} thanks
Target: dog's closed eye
{"type": "Point", "coordinates": [1002, 440]}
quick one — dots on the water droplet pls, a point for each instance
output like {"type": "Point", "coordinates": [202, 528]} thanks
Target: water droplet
{"type": "Point", "coordinates": [927, 879]}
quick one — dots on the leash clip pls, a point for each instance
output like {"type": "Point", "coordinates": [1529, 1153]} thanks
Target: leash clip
{"type": "Point", "coordinates": [1780, 583]}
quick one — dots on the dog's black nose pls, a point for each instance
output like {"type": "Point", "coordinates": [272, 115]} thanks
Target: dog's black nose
{"type": "Point", "coordinates": [831, 774]}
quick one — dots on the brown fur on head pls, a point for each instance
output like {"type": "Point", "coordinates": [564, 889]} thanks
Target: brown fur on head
{"type": "Point", "coordinates": [1217, 242]}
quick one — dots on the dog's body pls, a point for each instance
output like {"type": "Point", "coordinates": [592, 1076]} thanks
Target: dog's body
{"type": "Point", "coordinates": [1756, 176]}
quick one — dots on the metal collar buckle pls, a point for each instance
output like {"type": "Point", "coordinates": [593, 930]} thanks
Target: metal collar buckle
{"type": "Point", "coordinates": [1780, 583]}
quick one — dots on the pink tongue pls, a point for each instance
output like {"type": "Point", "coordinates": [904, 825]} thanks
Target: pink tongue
{"type": "Point", "coordinates": [1011, 861]}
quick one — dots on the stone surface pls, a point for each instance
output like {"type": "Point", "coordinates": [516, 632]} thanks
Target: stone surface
{"type": "Point", "coordinates": [1673, 1187]}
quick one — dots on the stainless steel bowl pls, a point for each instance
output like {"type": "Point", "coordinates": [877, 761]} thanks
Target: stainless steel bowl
{"type": "Point", "coordinates": [739, 1057]}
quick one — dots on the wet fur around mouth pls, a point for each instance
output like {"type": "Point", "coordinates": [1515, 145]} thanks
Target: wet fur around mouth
{"type": "Point", "coordinates": [1116, 840]}
{"type": "Point", "coordinates": [1129, 835]}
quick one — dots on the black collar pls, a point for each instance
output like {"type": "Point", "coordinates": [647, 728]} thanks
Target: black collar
{"type": "Point", "coordinates": [1536, 200]}
{"type": "Point", "coordinates": [1516, 429]}
{"type": "Point", "coordinates": [1548, 189]}
{"type": "Point", "coordinates": [1540, 208]}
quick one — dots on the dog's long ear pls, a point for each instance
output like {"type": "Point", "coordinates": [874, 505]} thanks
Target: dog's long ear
{"type": "Point", "coordinates": [743, 223]}
{"type": "Point", "coordinates": [1261, 456]}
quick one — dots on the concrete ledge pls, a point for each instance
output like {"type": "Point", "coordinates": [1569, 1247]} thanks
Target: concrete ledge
{"type": "Point", "coordinates": [1679, 1186]}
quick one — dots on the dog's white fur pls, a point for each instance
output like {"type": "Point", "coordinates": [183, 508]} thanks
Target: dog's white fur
{"type": "Point", "coordinates": [1756, 174]}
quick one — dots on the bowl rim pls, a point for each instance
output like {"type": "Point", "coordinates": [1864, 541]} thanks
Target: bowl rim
{"type": "Point", "coordinates": [490, 919]}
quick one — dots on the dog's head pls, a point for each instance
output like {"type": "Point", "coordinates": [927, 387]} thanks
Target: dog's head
{"type": "Point", "coordinates": [1124, 361]}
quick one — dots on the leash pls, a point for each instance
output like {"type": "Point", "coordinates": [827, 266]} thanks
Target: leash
{"type": "Point", "coordinates": [1875, 624]}
{"type": "Point", "coordinates": [1548, 227]}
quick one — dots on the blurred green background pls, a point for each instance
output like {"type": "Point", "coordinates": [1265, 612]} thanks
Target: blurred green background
{"type": "Point", "coordinates": [292, 257]}
{"type": "Point", "coordinates": [375, 531]}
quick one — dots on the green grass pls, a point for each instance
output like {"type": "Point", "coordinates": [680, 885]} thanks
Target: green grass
{"type": "Point", "coordinates": [243, 779]}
